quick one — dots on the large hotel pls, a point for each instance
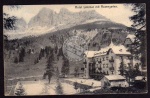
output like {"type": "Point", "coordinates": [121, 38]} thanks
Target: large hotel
{"type": "Point", "coordinates": [108, 60]}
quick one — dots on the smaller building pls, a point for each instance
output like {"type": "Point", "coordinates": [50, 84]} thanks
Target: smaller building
{"type": "Point", "coordinates": [109, 81]}
{"type": "Point", "coordinates": [141, 78]}
{"type": "Point", "coordinates": [129, 40]}
{"type": "Point", "coordinates": [140, 82]}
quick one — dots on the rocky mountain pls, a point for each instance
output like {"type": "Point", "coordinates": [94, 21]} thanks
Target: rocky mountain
{"type": "Point", "coordinates": [93, 27]}
{"type": "Point", "coordinates": [20, 24]}
{"type": "Point", "coordinates": [49, 18]}
{"type": "Point", "coordinates": [48, 21]}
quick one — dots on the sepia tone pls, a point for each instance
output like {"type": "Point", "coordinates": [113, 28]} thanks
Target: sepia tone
{"type": "Point", "coordinates": [74, 49]}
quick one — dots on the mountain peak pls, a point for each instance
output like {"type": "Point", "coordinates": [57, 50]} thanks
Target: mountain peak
{"type": "Point", "coordinates": [64, 10]}
{"type": "Point", "coordinates": [45, 10]}
{"type": "Point", "coordinates": [49, 18]}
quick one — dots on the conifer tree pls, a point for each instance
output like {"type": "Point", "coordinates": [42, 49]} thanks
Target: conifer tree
{"type": "Point", "coordinates": [49, 66]}
{"type": "Point", "coordinates": [16, 60]}
{"type": "Point", "coordinates": [139, 23]}
{"type": "Point", "coordinates": [59, 89]}
{"type": "Point", "coordinates": [20, 90]}
{"type": "Point", "coordinates": [65, 67]}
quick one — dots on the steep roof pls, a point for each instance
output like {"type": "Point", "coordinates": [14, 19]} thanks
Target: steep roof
{"type": "Point", "coordinates": [131, 36]}
{"type": "Point", "coordinates": [90, 54]}
{"type": "Point", "coordinates": [120, 49]}
{"type": "Point", "coordinates": [139, 77]}
{"type": "Point", "coordinates": [115, 77]}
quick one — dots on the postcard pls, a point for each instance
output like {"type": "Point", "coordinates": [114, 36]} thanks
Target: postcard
{"type": "Point", "coordinates": [75, 49]}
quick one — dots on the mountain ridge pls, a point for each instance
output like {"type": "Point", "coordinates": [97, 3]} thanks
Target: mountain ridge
{"type": "Point", "coordinates": [48, 17]}
{"type": "Point", "coordinates": [48, 21]}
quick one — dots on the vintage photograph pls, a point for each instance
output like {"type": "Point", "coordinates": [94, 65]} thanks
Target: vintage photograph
{"type": "Point", "coordinates": [75, 49]}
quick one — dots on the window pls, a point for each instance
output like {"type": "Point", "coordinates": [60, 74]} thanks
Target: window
{"type": "Point", "coordinates": [98, 65]}
{"type": "Point", "coordinates": [107, 73]}
{"type": "Point", "coordinates": [129, 64]}
{"type": "Point", "coordinates": [103, 58]}
{"type": "Point", "coordinates": [104, 72]}
{"type": "Point", "coordinates": [112, 65]}
{"type": "Point", "coordinates": [106, 58]}
{"type": "Point", "coordinates": [97, 59]}
{"type": "Point", "coordinates": [106, 65]}
{"type": "Point", "coordinates": [111, 57]}
{"type": "Point", "coordinates": [82, 69]}
{"type": "Point", "coordinates": [103, 65]}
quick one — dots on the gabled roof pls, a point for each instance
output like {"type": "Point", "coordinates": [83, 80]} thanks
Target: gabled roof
{"type": "Point", "coordinates": [139, 77]}
{"type": "Point", "coordinates": [120, 49]}
{"type": "Point", "coordinates": [90, 54]}
{"type": "Point", "coordinates": [114, 77]}
{"type": "Point", "coordinates": [131, 36]}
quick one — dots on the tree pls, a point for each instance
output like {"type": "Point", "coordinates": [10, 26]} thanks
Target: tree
{"type": "Point", "coordinates": [21, 55]}
{"type": "Point", "coordinates": [20, 90]}
{"type": "Point", "coordinates": [59, 89]}
{"type": "Point", "coordinates": [6, 43]}
{"type": "Point", "coordinates": [65, 67]}
{"type": "Point", "coordinates": [139, 19]}
{"type": "Point", "coordinates": [41, 54]}
{"type": "Point", "coordinates": [48, 50]}
{"type": "Point", "coordinates": [131, 74]}
{"type": "Point", "coordinates": [16, 60]}
{"type": "Point", "coordinates": [36, 61]}
{"type": "Point", "coordinates": [76, 71]}
{"type": "Point", "coordinates": [121, 68]}
{"type": "Point", "coordinates": [9, 21]}
{"type": "Point", "coordinates": [49, 66]}
{"type": "Point", "coordinates": [60, 52]}
{"type": "Point", "coordinates": [56, 48]}
{"type": "Point", "coordinates": [137, 70]}
{"type": "Point", "coordinates": [76, 86]}
{"type": "Point", "coordinates": [139, 22]}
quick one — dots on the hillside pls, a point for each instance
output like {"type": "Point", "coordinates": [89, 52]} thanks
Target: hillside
{"type": "Point", "coordinates": [100, 36]}
{"type": "Point", "coordinates": [97, 30]}
{"type": "Point", "coordinates": [47, 20]}
{"type": "Point", "coordinates": [48, 17]}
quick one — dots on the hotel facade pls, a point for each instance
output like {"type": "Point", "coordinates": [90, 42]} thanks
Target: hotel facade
{"type": "Point", "coordinates": [108, 61]}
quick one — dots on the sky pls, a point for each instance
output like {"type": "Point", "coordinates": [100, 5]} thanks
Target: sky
{"type": "Point", "coordinates": [115, 12]}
